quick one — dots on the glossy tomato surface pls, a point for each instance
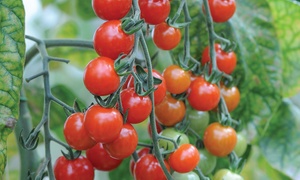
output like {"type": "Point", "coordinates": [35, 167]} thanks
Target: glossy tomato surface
{"type": "Point", "coordinates": [110, 40]}
{"type": "Point", "coordinates": [125, 144]}
{"type": "Point", "coordinates": [219, 140]}
{"type": "Point", "coordinates": [100, 77]}
{"type": "Point", "coordinates": [100, 159]}
{"type": "Point", "coordinates": [75, 133]}
{"type": "Point", "coordinates": [141, 152]}
{"type": "Point", "coordinates": [154, 11]}
{"type": "Point", "coordinates": [175, 135]}
{"type": "Point", "coordinates": [165, 36]}
{"type": "Point", "coordinates": [148, 168]}
{"type": "Point", "coordinates": [103, 124]}
{"type": "Point", "coordinates": [226, 61]}
{"type": "Point", "coordinates": [208, 162]}
{"type": "Point", "coordinates": [137, 107]}
{"type": "Point", "coordinates": [77, 169]}
{"type": "Point", "coordinates": [202, 95]}
{"type": "Point", "coordinates": [231, 96]}
{"type": "Point", "coordinates": [222, 10]}
{"type": "Point", "coordinates": [111, 10]}
{"type": "Point", "coordinates": [177, 80]}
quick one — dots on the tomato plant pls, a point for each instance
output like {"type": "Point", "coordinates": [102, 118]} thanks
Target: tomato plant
{"type": "Point", "coordinates": [111, 10]}
{"type": "Point", "coordinates": [110, 40]}
{"type": "Point", "coordinates": [165, 36]}
{"type": "Point", "coordinates": [148, 168]}
{"type": "Point", "coordinates": [184, 159]}
{"type": "Point", "coordinates": [80, 168]}
{"type": "Point", "coordinates": [75, 133]}
{"type": "Point", "coordinates": [178, 137]}
{"type": "Point", "coordinates": [103, 124]}
{"type": "Point", "coordinates": [219, 140]}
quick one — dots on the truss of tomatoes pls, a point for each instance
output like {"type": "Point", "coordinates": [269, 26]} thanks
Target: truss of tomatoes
{"type": "Point", "coordinates": [108, 138]}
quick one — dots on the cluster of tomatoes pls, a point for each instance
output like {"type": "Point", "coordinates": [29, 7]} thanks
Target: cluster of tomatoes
{"type": "Point", "coordinates": [107, 134]}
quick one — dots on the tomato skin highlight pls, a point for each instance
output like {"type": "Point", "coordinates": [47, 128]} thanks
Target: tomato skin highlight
{"type": "Point", "coordinates": [138, 107]}
{"type": "Point", "coordinates": [170, 111]}
{"type": "Point", "coordinates": [202, 95]}
{"type": "Point", "coordinates": [77, 169]}
{"type": "Point", "coordinates": [148, 168]}
{"type": "Point", "coordinates": [154, 12]}
{"type": "Point", "coordinates": [226, 61]}
{"type": "Point", "coordinates": [177, 80]}
{"type": "Point", "coordinates": [184, 159]}
{"type": "Point", "coordinates": [219, 140]}
{"type": "Point", "coordinates": [125, 144]}
{"type": "Point", "coordinates": [75, 134]}
{"type": "Point", "coordinates": [100, 77]}
{"type": "Point", "coordinates": [166, 37]}
{"type": "Point", "coordinates": [100, 159]}
{"type": "Point", "coordinates": [110, 40]}
{"type": "Point", "coordinates": [111, 10]}
{"type": "Point", "coordinates": [103, 124]}
{"type": "Point", "coordinates": [221, 11]}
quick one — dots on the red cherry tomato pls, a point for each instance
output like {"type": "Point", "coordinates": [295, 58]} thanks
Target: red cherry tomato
{"type": "Point", "coordinates": [158, 128]}
{"type": "Point", "coordinates": [100, 159]}
{"type": "Point", "coordinates": [141, 153]}
{"type": "Point", "coordinates": [219, 140]}
{"type": "Point", "coordinates": [202, 95]}
{"type": "Point", "coordinates": [103, 124]}
{"type": "Point", "coordinates": [75, 134]}
{"type": "Point", "coordinates": [154, 12]}
{"type": "Point", "coordinates": [170, 111]}
{"type": "Point", "coordinates": [137, 107]}
{"type": "Point", "coordinates": [77, 169]}
{"type": "Point", "coordinates": [111, 10]}
{"type": "Point", "coordinates": [184, 159]}
{"type": "Point", "coordinates": [221, 10]}
{"type": "Point", "coordinates": [226, 61]}
{"type": "Point", "coordinates": [100, 77]}
{"type": "Point", "coordinates": [148, 168]}
{"type": "Point", "coordinates": [177, 80]}
{"type": "Point", "coordinates": [166, 37]}
{"type": "Point", "coordinates": [110, 40]}
{"type": "Point", "coordinates": [125, 144]}
{"type": "Point", "coordinates": [231, 96]}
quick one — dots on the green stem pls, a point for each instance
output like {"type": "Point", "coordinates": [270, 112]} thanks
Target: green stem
{"type": "Point", "coordinates": [152, 115]}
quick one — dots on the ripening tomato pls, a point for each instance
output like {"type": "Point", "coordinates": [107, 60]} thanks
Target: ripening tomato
{"type": "Point", "coordinates": [226, 174]}
{"type": "Point", "coordinates": [221, 10]}
{"type": "Point", "coordinates": [226, 61]}
{"type": "Point", "coordinates": [77, 169]}
{"type": "Point", "coordinates": [148, 168]}
{"type": "Point", "coordinates": [100, 159]}
{"type": "Point", "coordinates": [111, 10]}
{"type": "Point", "coordinates": [202, 95]}
{"type": "Point", "coordinates": [141, 152]}
{"type": "Point", "coordinates": [198, 120]}
{"type": "Point", "coordinates": [125, 144]}
{"type": "Point", "coordinates": [184, 159]}
{"type": "Point", "coordinates": [241, 145]}
{"type": "Point", "coordinates": [219, 140]}
{"type": "Point", "coordinates": [175, 135]}
{"type": "Point", "coordinates": [177, 79]}
{"type": "Point", "coordinates": [208, 162]}
{"type": "Point", "coordinates": [103, 124]}
{"type": "Point", "coordinates": [100, 77]}
{"type": "Point", "coordinates": [75, 133]}
{"type": "Point", "coordinates": [231, 96]}
{"type": "Point", "coordinates": [170, 111]}
{"type": "Point", "coordinates": [110, 40]}
{"type": "Point", "coordinates": [137, 107]}
{"type": "Point", "coordinates": [165, 36]}
{"type": "Point", "coordinates": [154, 12]}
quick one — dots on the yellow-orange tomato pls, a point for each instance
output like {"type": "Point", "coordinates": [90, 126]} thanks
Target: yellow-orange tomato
{"type": "Point", "coordinates": [177, 80]}
{"type": "Point", "coordinates": [231, 96]}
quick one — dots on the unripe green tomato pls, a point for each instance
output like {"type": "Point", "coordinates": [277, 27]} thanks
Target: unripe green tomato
{"type": "Point", "coordinates": [208, 162]}
{"type": "Point", "coordinates": [225, 174]}
{"type": "Point", "coordinates": [241, 145]}
{"type": "Point", "coordinates": [173, 134]}
{"type": "Point", "coordinates": [185, 176]}
{"type": "Point", "coordinates": [199, 120]}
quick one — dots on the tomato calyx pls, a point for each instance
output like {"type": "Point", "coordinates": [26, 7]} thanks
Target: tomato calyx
{"type": "Point", "coordinates": [71, 155]}
{"type": "Point", "coordinates": [130, 25]}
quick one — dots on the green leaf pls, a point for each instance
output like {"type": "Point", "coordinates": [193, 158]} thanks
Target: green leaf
{"type": "Point", "coordinates": [287, 22]}
{"type": "Point", "coordinates": [12, 50]}
{"type": "Point", "coordinates": [280, 143]}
